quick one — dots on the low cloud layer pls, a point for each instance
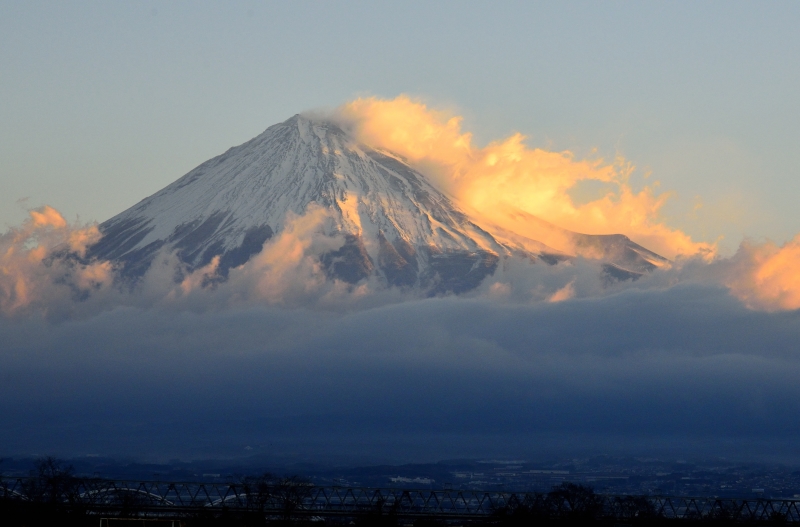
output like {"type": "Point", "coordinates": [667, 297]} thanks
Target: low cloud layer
{"type": "Point", "coordinates": [672, 368]}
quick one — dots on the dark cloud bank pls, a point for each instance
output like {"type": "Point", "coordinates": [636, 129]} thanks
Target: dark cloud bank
{"type": "Point", "coordinates": [684, 371]}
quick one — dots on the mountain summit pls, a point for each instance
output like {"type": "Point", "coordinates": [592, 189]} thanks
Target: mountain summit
{"type": "Point", "coordinates": [395, 223]}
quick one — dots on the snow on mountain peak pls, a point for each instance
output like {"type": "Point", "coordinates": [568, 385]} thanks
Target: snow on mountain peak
{"type": "Point", "coordinates": [395, 222]}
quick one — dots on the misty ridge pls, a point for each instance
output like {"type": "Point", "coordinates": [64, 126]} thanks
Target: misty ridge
{"type": "Point", "coordinates": [496, 326]}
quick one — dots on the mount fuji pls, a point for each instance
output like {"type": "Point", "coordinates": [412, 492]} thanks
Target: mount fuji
{"type": "Point", "coordinates": [395, 224]}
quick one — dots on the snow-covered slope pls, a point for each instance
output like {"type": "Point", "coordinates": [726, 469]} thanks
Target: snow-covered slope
{"type": "Point", "coordinates": [396, 224]}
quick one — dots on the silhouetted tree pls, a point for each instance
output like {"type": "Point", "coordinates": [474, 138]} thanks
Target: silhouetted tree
{"type": "Point", "coordinates": [632, 507]}
{"type": "Point", "coordinates": [576, 502]}
{"type": "Point", "coordinates": [54, 496]}
{"type": "Point", "coordinates": [264, 495]}
{"type": "Point", "coordinates": [257, 491]}
{"type": "Point", "coordinates": [290, 492]}
{"type": "Point", "coordinates": [55, 483]}
{"type": "Point", "coordinates": [379, 516]}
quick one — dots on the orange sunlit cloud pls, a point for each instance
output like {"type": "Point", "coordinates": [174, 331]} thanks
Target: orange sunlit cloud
{"type": "Point", "coordinates": [766, 276]}
{"type": "Point", "coordinates": [27, 278]}
{"type": "Point", "coordinates": [565, 293]}
{"type": "Point", "coordinates": [506, 180]}
{"type": "Point", "coordinates": [287, 269]}
{"type": "Point", "coordinates": [47, 216]}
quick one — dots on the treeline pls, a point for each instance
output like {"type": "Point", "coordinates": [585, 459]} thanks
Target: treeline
{"type": "Point", "coordinates": [56, 496]}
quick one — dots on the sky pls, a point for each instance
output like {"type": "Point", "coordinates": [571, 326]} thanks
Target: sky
{"type": "Point", "coordinates": [686, 111]}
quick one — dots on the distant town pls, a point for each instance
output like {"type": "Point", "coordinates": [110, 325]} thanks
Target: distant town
{"type": "Point", "coordinates": [604, 474]}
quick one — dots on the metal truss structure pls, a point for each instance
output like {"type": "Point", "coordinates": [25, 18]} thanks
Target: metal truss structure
{"type": "Point", "coordinates": [294, 498]}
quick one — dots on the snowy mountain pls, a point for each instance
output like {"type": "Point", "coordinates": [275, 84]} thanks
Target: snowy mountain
{"type": "Point", "coordinates": [395, 223]}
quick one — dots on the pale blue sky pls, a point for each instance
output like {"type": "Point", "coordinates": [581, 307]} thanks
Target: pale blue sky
{"type": "Point", "coordinates": [104, 103]}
